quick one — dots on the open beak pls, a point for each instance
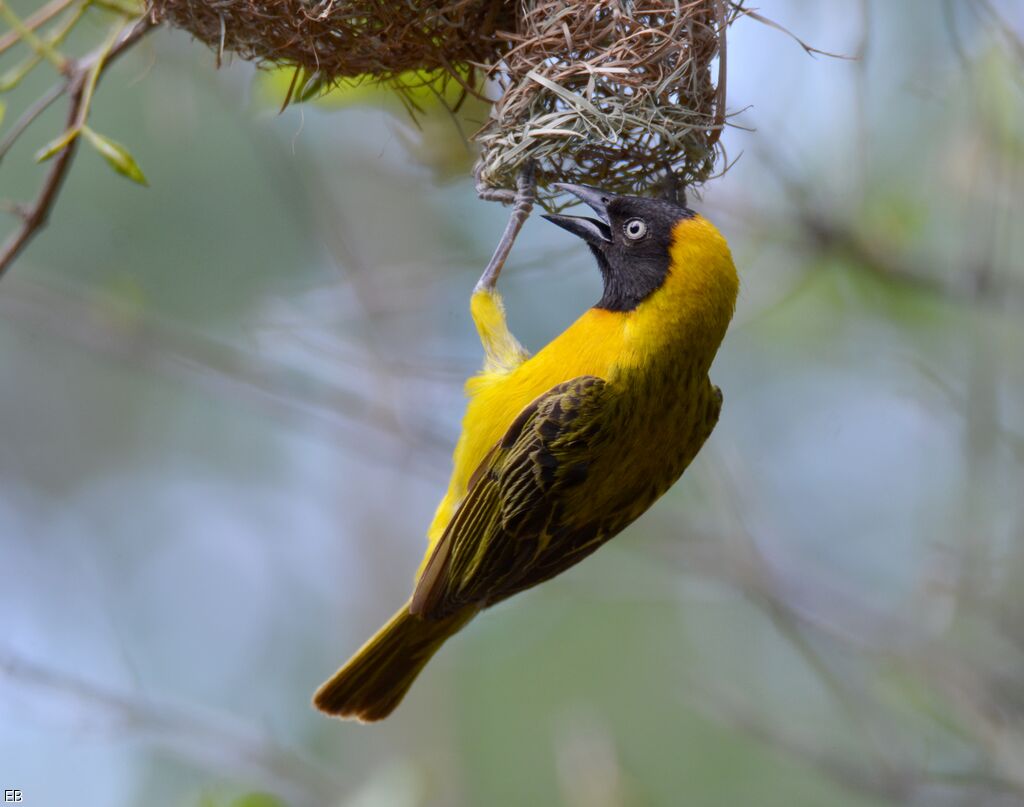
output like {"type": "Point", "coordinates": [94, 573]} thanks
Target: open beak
{"type": "Point", "coordinates": [596, 232]}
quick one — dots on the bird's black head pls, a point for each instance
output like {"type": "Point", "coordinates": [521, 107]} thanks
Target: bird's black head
{"type": "Point", "coordinates": [630, 238]}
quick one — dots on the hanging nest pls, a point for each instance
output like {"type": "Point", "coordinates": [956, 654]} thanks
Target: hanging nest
{"type": "Point", "coordinates": [609, 93]}
{"type": "Point", "coordinates": [339, 39]}
{"type": "Point", "coordinates": [616, 93]}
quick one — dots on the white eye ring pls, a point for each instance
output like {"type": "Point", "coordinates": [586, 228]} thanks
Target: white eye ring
{"type": "Point", "coordinates": [635, 229]}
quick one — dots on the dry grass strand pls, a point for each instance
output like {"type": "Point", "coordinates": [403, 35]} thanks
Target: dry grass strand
{"type": "Point", "coordinates": [610, 93]}
{"type": "Point", "coordinates": [338, 39]}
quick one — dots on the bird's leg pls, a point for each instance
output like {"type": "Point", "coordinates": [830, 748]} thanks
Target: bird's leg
{"type": "Point", "coordinates": [522, 204]}
{"type": "Point", "coordinates": [502, 351]}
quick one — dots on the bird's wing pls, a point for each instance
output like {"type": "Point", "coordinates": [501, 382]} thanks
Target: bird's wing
{"type": "Point", "coordinates": [711, 415]}
{"type": "Point", "coordinates": [512, 511]}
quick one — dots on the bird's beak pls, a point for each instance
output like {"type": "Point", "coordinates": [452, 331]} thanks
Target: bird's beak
{"type": "Point", "coordinates": [596, 232]}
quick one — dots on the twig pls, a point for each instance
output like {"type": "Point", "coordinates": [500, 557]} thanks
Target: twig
{"type": "Point", "coordinates": [38, 44]}
{"type": "Point", "coordinates": [92, 77]}
{"type": "Point", "coordinates": [36, 215]}
{"type": "Point", "coordinates": [29, 115]}
{"type": "Point", "coordinates": [52, 41]}
{"type": "Point", "coordinates": [526, 194]}
{"type": "Point", "coordinates": [41, 17]}
{"type": "Point", "coordinates": [81, 75]}
{"type": "Point", "coordinates": [810, 50]}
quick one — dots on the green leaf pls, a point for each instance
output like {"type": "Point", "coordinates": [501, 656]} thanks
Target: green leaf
{"type": "Point", "coordinates": [3, 109]}
{"type": "Point", "coordinates": [116, 155]}
{"type": "Point", "coordinates": [56, 145]}
{"type": "Point", "coordinates": [312, 88]}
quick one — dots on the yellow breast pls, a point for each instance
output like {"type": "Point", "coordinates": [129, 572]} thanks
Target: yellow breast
{"type": "Point", "coordinates": [685, 318]}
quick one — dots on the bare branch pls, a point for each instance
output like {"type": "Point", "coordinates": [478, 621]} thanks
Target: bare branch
{"type": "Point", "coordinates": [810, 50]}
{"type": "Point", "coordinates": [29, 116]}
{"type": "Point", "coordinates": [80, 76]}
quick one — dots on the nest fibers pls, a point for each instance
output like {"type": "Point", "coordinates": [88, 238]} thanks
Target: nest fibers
{"type": "Point", "coordinates": [339, 39]}
{"type": "Point", "coordinates": [616, 93]}
{"type": "Point", "coordinates": [609, 93]}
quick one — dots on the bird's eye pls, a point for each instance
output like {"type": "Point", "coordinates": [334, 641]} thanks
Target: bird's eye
{"type": "Point", "coordinates": [634, 229]}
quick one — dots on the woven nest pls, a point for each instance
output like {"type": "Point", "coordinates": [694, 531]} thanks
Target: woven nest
{"type": "Point", "coordinates": [616, 93]}
{"type": "Point", "coordinates": [608, 93]}
{"type": "Point", "coordinates": [338, 39]}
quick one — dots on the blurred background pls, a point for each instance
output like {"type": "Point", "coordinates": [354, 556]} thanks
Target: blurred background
{"type": "Point", "coordinates": [227, 404]}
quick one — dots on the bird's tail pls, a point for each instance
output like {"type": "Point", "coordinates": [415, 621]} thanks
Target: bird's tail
{"type": "Point", "coordinates": [374, 681]}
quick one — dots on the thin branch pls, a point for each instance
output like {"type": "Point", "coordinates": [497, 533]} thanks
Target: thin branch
{"type": "Point", "coordinates": [29, 116]}
{"type": "Point", "coordinates": [810, 50]}
{"type": "Point", "coordinates": [41, 17]}
{"type": "Point", "coordinates": [52, 40]}
{"type": "Point", "coordinates": [42, 48]}
{"type": "Point", "coordinates": [81, 75]}
{"type": "Point", "coordinates": [37, 213]}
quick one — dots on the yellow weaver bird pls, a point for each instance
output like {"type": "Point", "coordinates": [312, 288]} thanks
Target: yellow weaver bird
{"type": "Point", "coordinates": [562, 450]}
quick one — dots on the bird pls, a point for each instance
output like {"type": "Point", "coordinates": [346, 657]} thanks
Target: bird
{"type": "Point", "coordinates": [562, 450]}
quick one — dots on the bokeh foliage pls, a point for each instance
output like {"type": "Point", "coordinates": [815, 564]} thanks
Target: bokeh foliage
{"type": "Point", "coordinates": [227, 401]}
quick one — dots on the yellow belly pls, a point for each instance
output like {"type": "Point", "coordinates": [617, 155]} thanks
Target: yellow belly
{"type": "Point", "coordinates": [682, 324]}
{"type": "Point", "coordinates": [593, 345]}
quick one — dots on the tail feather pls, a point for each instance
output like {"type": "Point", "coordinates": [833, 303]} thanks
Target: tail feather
{"type": "Point", "coordinates": [374, 681]}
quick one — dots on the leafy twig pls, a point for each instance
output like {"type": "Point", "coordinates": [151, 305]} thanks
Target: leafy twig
{"type": "Point", "coordinates": [29, 116]}
{"type": "Point", "coordinates": [81, 78]}
{"type": "Point", "coordinates": [37, 43]}
{"type": "Point", "coordinates": [41, 17]}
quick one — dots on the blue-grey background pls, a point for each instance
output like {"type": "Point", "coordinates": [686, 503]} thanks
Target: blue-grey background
{"type": "Point", "coordinates": [227, 404]}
